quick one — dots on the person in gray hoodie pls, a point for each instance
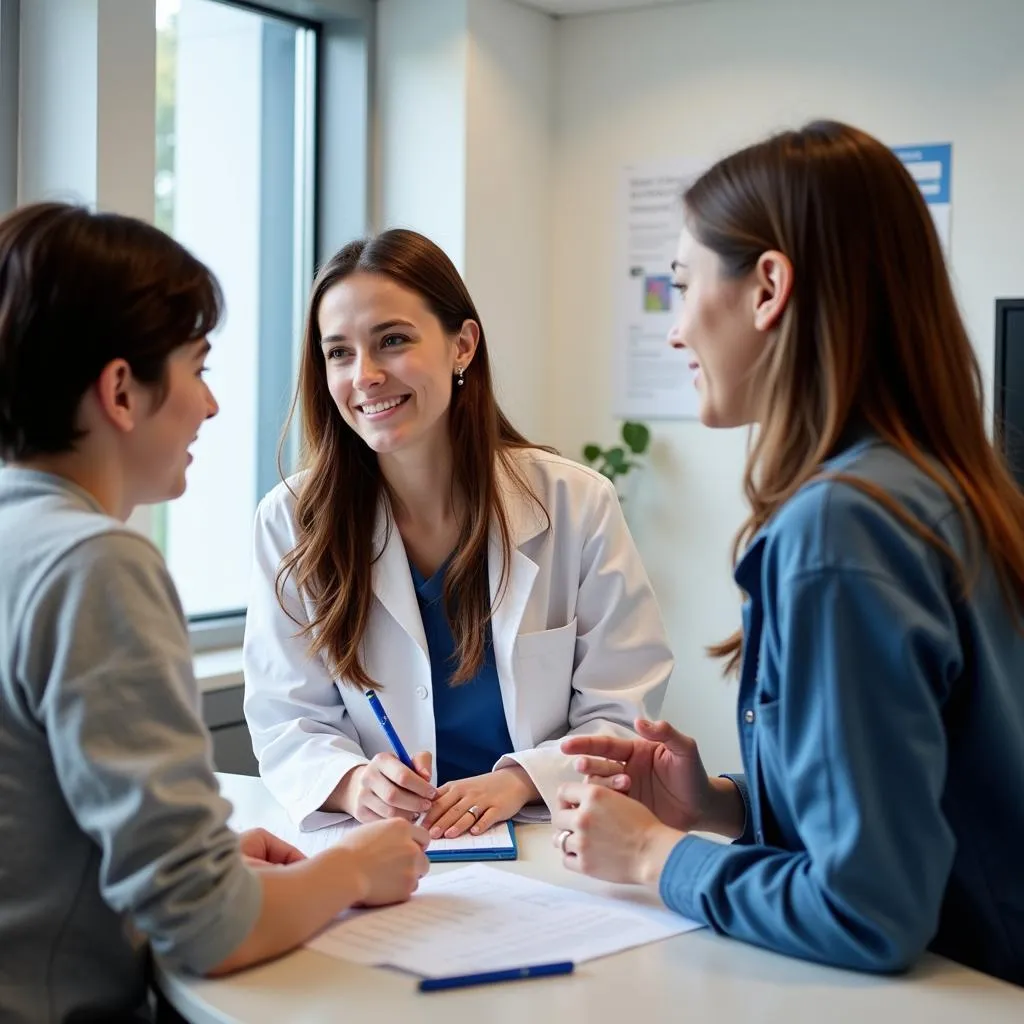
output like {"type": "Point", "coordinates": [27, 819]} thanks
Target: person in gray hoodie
{"type": "Point", "coordinates": [113, 831]}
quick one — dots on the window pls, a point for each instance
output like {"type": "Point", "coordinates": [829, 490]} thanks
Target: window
{"type": "Point", "coordinates": [234, 183]}
{"type": "Point", "coordinates": [9, 39]}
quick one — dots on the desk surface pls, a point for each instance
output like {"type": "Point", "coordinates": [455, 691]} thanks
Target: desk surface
{"type": "Point", "coordinates": [695, 977]}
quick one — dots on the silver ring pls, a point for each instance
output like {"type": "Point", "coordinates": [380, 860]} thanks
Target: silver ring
{"type": "Point", "coordinates": [476, 812]}
{"type": "Point", "coordinates": [563, 838]}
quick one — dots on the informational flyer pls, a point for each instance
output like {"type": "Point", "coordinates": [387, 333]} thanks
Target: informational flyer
{"type": "Point", "coordinates": [932, 167]}
{"type": "Point", "coordinates": [651, 379]}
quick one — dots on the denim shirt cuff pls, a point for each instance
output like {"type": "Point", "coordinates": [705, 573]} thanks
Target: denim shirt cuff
{"type": "Point", "coordinates": [746, 837]}
{"type": "Point", "coordinates": [688, 863]}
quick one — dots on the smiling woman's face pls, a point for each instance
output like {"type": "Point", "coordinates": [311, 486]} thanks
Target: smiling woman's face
{"type": "Point", "coordinates": [716, 326]}
{"type": "Point", "coordinates": [389, 362]}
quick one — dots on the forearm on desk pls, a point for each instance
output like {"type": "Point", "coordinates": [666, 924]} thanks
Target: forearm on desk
{"type": "Point", "coordinates": [297, 901]}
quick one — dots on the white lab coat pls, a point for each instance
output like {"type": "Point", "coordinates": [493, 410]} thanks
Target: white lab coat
{"type": "Point", "coordinates": [578, 640]}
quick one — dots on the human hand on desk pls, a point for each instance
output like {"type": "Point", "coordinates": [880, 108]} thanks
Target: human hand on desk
{"type": "Point", "coordinates": [377, 864]}
{"type": "Point", "coordinates": [261, 848]}
{"type": "Point", "coordinates": [662, 769]}
{"type": "Point", "coordinates": [477, 803]}
{"type": "Point", "coordinates": [386, 788]}
{"type": "Point", "coordinates": [610, 836]}
{"type": "Point", "coordinates": [390, 857]}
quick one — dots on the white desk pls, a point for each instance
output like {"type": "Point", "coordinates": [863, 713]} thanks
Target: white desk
{"type": "Point", "coordinates": [698, 978]}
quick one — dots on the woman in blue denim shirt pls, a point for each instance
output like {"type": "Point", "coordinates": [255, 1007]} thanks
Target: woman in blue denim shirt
{"type": "Point", "coordinates": [881, 656]}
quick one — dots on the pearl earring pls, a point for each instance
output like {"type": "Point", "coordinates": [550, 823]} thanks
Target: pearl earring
{"type": "Point", "coordinates": [461, 370]}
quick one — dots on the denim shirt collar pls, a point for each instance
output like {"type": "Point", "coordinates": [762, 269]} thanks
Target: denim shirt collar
{"type": "Point", "coordinates": [747, 572]}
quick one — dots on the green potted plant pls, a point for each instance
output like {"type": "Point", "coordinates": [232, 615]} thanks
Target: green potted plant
{"type": "Point", "coordinates": [618, 460]}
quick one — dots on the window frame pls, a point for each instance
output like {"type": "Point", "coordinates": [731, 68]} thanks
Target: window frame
{"type": "Point", "coordinates": [10, 51]}
{"type": "Point", "coordinates": [342, 111]}
{"type": "Point", "coordinates": [282, 12]}
{"type": "Point", "coordinates": [342, 105]}
{"type": "Point", "coordinates": [225, 629]}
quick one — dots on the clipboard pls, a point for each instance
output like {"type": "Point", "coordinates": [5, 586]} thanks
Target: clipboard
{"type": "Point", "coordinates": [497, 843]}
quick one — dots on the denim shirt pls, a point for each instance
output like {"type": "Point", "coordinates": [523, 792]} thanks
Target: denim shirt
{"type": "Point", "coordinates": [881, 722]}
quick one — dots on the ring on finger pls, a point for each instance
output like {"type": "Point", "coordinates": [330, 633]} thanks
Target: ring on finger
{"type": "Point", "coordinates": [460, 815]}
{"type": "Point", "coordinates": [476, 812]}
{"type": "Point", "coordinates": [563, 838]}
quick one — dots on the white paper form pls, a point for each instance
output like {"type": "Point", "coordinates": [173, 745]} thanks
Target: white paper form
{"type": "Point", "coordinates": [497, 837]}
{"type": "Point", "coordinates": [479, 918]}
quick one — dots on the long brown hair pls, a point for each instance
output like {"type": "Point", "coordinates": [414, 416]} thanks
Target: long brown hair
{"type": "Point", "coordinates": [871, 335]}
{"type": "Point", "coordinates": [337, 505]}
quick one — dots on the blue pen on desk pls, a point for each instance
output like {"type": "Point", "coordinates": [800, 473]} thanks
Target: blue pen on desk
{"type": "Point", "coordinates": [489, 977]}
{"type": "Point", "coordinates": [389, 730]}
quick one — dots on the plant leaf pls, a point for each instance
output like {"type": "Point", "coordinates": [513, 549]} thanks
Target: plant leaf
{"type": "Point", "coordinates": [591, 452]}
{"type": "Point", "coordinates": [637, 436]}
{"type": "Point", "coordinates": [616, 459]}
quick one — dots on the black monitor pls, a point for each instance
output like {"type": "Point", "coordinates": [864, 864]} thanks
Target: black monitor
{"type": "Point", "coordinates": [1009, 383]}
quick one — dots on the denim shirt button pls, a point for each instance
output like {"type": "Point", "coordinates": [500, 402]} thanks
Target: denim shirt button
{"type": "Point", "coordinates": [748, 716]}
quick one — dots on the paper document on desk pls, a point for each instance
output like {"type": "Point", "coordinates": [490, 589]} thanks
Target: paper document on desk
{"type": "Point", "coordinates": [479, 918]}
{"type": "Point", "coordinates": [497, 843]}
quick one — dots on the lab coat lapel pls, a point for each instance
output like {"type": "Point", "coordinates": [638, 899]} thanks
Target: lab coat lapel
{"type": "Point", "coordinates": [392, 580]}
{"type": "Point", "coordinates": [526, 520]}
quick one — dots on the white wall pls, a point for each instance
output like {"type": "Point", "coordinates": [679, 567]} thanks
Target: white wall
{"type": "Point", "coordinates": [421, 120]}
{"type": "Point", "coordinates": [58, 62]}
{"type": "Point", "coordinates": [87, 103]}
{"type": "Point", "coordinates": [464, 141]}
{"type": "Point", "coordinates": [508, 199]}
{"type": "Point", "coordinates": [698, 81]}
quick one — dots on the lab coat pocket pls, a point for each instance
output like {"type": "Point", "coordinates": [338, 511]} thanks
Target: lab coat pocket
{"type": "Point", "coordinates": [550, 651]}
{"type": "Point", "coordinates": [544, 664]}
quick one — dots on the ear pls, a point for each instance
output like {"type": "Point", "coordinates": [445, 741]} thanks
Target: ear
{"type": "Point", "coordinates": [774, 284]}
{"type": "Point", "coordinates": [466, 342]}
{"type": "Point", "coordinates": [118, 398]}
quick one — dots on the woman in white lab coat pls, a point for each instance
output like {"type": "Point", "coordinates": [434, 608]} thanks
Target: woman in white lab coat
{"type": "Point", "coordinates": [488, 590]}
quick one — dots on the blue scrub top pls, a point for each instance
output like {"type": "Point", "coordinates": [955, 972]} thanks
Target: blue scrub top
{"type": "Point", "coordinates": [469, 720]}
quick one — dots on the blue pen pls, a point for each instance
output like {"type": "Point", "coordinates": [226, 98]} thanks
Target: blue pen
{"type": "Point", "coordinates": [488, 977]}
{"type": "Point", "coordinates": [389, 730]}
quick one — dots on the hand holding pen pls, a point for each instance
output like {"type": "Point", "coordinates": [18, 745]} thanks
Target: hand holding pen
{"type": "Point", "coordinates": [391, 785]}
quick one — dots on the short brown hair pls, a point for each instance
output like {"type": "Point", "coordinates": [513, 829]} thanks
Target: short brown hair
{"type": "Point", "coordinates": [78, 289]}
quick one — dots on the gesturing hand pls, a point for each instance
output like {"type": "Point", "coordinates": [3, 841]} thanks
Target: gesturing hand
{"type": "Point", "coordinates": [609, 836]}
{"type": "Point", "coordinates": [661, 768]}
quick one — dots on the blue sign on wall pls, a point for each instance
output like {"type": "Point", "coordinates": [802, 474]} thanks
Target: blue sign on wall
{"type": "Point", "coordinates": [932, 167]}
